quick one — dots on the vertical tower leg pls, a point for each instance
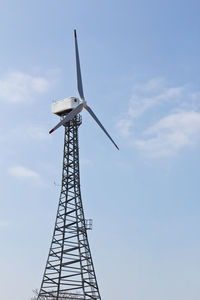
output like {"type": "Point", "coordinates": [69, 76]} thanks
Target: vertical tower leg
{"type": "Point", "coordinates": [69, 272]}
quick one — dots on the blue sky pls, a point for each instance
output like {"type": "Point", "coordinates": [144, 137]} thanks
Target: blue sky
{"type": "Point", "coordinates": [140, 67]}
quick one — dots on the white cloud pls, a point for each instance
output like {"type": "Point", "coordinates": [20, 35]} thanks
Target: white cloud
{"type": "Point", "coordinates": [18, 86]}
{"type": "Point", "coordinates": [124, 127]}
{"type": "Point", "coordinates": [37, 133]}
{"type": "Point", "coordinates": [23, 172]}
{"type": "Point", "coordinates": [151, 94]}
{"type": "Point", "coordinates": [179, 127]}
{"type": "Point", "coordinates": [86, 162]}
{"type": "Point", "coordinates": [152, 85]}
{"type": "Point", "coordinates": [170, 134]}
{"type": "Point", "coordinates": [4, 223]}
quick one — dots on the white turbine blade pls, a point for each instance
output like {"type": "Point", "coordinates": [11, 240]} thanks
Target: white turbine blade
{"type": "Point", "coordinates": [99, 123]}
{"type": "Point", "coordinates": [69, 117]}
{"type": "Point", "coordinates": [78, 69]}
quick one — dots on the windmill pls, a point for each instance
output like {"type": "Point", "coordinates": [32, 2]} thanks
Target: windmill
{"type": "Point", "coordinates": [69, 271]}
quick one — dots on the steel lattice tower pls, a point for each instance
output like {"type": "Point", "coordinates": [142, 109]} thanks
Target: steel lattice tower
{"type": "Point", "coordinates": [69, 272]}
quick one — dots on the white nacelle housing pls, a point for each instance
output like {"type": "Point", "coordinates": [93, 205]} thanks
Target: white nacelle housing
{"type": "Point", "coordinates": [66, 105]}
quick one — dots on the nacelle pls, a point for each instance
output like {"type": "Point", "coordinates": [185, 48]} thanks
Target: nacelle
{"type": "Point", "coordinates": [65, 106]}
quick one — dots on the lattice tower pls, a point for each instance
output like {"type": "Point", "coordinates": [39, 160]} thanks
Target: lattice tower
{"type": "Point", "coordinates": [69, 272]}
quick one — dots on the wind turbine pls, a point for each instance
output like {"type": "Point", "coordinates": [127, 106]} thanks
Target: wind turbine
{"type": "Point", "coordinates": [80, 103]}
{"type": "Point", "coordinates": [69, 271]}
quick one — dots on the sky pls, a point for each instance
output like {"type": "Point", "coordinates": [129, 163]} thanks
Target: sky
{"type": "Point", "coordinates": [140, 68]}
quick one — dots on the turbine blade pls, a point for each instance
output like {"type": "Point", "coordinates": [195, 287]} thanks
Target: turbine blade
{"type": "Point", "coordinates": [69, 117]}
{"type": "Point", "coordinates": [78, 69]}
{"type": "Point", "coordinates": [99, 123]}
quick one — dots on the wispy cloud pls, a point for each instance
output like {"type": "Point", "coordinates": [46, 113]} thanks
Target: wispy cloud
{"type": "Point", "coordinates": [37, 133]}
{"type": "Point", "coordinates": [4, 223]}
{"type": "Point", "coordinates": [23, 173]}
{"type": "Point", "coordinates": [170, 134]}
{"type": "Point", "coordinates": [151, 94]}
{"type": "Point", "coordinates": [18, 86]}
{"type": "Point", "coordinates": [86, 162]}
{"type": "Point", "coordinates": [124, 127]}
{"type": "Point", "coordinates": [178, 128]}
